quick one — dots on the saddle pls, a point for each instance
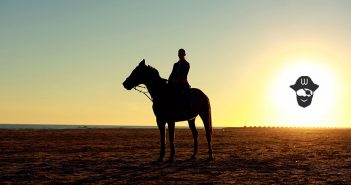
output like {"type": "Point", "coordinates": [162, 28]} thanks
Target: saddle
{"type": "Point", "coordinates": [182, 100]}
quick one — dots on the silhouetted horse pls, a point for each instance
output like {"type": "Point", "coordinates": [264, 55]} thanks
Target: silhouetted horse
{"type": "Point", "coordinates": [166, 110]}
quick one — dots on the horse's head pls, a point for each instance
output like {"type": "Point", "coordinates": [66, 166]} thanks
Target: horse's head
{"type": "Point", "coordinates": [140, 75]}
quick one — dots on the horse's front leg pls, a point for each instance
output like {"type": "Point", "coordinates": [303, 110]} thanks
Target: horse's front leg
{"type": "Point", "coordinates": [171, 126]}
{"type": "Point", "coordinates": [194, 131]}
{"type": "Point", "coordinates": [161, 126]}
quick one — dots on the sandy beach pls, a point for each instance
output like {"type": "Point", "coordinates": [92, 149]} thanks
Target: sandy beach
{"type": "Point", "coordinates": [126, 156]}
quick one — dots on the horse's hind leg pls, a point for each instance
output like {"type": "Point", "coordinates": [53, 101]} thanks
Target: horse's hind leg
{"type": "Point", "coordinates": [206, 118]}
{"type": "Point", "coordinates": [194, 131]}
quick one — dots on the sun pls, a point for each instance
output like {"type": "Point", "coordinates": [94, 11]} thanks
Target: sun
{"type": "Point", "coordinates": [322, 111]}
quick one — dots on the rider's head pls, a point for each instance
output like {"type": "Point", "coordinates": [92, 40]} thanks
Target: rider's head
{"type": "Point", "coordinates": [181, 53]}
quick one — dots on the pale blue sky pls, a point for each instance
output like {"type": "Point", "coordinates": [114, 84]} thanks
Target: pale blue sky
{"type": "Point", "coordinates": [64, 61]}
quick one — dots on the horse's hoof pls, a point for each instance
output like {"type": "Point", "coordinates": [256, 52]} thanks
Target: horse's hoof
{"type": "Point", "coordinates": [159, 160]}
{"type": "Point", "coordinates": [193, 157]}
{"type": "Point", "coordinates": [210, 158]}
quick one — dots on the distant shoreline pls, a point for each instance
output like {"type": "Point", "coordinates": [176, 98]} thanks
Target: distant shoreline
{"type": "Point", "coordinates": [62, 126]}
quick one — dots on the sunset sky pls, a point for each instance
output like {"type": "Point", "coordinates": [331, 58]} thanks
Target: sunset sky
{"type": "Point", "coordinates": [63, 62]}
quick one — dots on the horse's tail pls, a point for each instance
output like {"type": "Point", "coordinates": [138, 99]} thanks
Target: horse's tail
{"type": "Point", "coordinates": [205, 114]}
{"type": "Point", "coordinates": [209, 115]}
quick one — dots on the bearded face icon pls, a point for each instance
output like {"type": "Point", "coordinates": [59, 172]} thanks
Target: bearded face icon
{"type": "Point", "coordinates": [304, 88]}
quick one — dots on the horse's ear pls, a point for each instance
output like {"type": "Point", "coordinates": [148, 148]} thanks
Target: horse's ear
{"type": "Point", "coordinates": [142, 63]}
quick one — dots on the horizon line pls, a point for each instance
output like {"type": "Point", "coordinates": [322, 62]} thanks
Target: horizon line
{"type": "Point", "coordinates": [155, 126]}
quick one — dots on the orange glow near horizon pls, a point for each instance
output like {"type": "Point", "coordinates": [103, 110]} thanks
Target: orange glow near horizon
{"type": "Point", "coordinates": [64, 63]}
{"type": "Point", "coordinates": [276, 103]}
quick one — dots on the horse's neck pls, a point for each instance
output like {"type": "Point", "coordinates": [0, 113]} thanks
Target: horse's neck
{"type": "Point", "coordinates": [156, 88]}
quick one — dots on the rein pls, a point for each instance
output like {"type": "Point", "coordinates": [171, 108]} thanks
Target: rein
{"type": "Point", "coordinates": [147, 94]}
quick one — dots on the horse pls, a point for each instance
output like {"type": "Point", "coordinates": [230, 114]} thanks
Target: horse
{"type": "Point", "coordinates": [166, 110]}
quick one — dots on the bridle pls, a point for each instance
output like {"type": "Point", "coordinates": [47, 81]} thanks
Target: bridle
{"type": "Point", "coordinates": [146, 93]}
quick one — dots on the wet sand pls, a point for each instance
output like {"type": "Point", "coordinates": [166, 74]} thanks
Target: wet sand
{"type": "Point", "coordinates": [125, 156]}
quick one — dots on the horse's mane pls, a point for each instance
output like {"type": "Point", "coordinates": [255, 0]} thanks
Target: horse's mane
{"type": "Point", "coordinates": [154, 72]}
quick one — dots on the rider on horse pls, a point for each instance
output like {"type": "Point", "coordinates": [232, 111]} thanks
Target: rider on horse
{"type": "Point", "coordinates": [168, 109]}
{"type": "Point", "coordinates": [178, 79]}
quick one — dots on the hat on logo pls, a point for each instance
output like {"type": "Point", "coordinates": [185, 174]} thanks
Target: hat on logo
{"type": "Point", "coordinates": [304, 82]}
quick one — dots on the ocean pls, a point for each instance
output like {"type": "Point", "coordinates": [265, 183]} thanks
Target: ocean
{"type": "Point", "coordinates": [53, 126]}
